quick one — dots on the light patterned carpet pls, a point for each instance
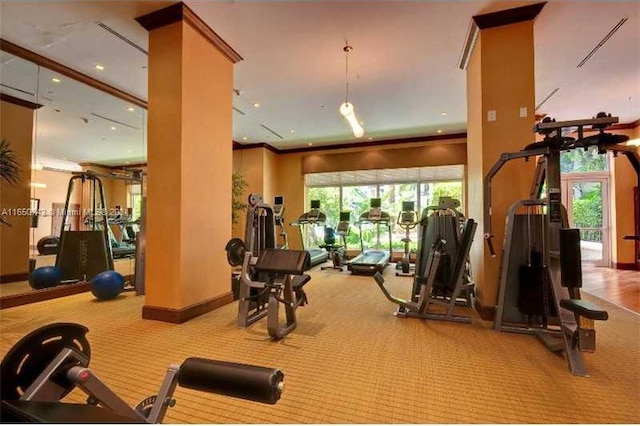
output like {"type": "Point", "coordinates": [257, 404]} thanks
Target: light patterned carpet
{"type": "Point", "coordinates": [351, 361]}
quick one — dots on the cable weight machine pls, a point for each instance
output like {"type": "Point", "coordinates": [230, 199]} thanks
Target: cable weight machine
{"type": "Point", "coordinates": [567, 325]}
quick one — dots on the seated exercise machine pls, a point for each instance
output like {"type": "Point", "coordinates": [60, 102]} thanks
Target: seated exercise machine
{"type": "Point", "coordinates": [541, 272]}
{"type": "Point", "coordinates": [370, 261]}
{"type": "Point", "coordinates": [442, 275]}
{"type": "Point", "coordinates": [269, 276]}
{"type": "Point", "coordinates": [407, 220]}
{"type": "Point", "coordinates": [50, 362]}
{"type": "Point", "coordinates": [337, 251]}
{"type": "Point", "coordinates": [309, 222]}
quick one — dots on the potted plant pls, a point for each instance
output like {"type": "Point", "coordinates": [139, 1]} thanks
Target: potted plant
{"type": "Point", "coordinates": [9, 170]}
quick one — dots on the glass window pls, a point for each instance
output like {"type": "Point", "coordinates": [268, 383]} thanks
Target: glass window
{"type": "Point", "coordinates": [355, 199]}
{"type": "Point", "coordinates": [329, 198]}
{"type": "Point", "coordinates": [392, 197]}
{"type": "Point", "coordinates": [430, 193]}
{"type": "Point", "coordinates": [580, 160]}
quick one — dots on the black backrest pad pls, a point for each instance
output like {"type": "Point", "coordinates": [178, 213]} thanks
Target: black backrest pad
{"type": "Point", "coordinates": [283, 261]}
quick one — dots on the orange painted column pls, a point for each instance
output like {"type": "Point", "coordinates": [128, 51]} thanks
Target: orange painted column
{"type": "Point", "coordinates": [16, 129]}
{"type": "Point", "coordinates": [189, 166]}
{"type": "Point", "coordinates": [500, 117]}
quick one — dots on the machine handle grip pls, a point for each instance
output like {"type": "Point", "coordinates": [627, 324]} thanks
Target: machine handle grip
{"type": "Point", "coordinates": [489, 239]}
{"type": "Point", "coordinates": [244, 381]}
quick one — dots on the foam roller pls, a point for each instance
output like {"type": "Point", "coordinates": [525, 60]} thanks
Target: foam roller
{"type": "Point", "coordinates": [244, 381]}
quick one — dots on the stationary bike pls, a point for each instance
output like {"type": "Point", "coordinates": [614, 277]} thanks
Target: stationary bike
{"type": "Point", "coordinates": [337, 252]}
{"type": "Point", "coordinates": [407, 220]}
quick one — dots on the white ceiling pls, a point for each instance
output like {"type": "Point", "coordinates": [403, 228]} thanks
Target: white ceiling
{"type": "Point", "coordinates": [404, 66]}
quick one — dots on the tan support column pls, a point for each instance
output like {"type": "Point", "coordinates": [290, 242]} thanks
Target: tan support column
{"type": "Point", "coordinates": [16, 128]}
{"type": "Point", "coordinates": [500, 117]}
{"type": "Point", "coordinates": [189, 166]}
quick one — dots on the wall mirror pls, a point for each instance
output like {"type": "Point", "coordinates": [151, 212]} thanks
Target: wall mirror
{"type": "Point", "coordinates": [76, 128]}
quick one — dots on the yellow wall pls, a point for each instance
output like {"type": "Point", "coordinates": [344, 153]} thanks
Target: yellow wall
{"type": "Point", "coordinates": [293, 166]}
{"type": "Point", "coordinates": [16, 127]}
{"type": "Point", "coordinates": [623, 180]}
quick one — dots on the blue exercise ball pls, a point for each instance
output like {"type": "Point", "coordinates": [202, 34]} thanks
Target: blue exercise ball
{"type": "Point", "coordinates": [107, 285]}
{"type": "Point", "coordinates": [44, 277]}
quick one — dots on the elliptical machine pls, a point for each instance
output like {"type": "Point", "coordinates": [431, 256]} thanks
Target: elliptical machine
{"type": "Point", "coordinates": [407, 220]}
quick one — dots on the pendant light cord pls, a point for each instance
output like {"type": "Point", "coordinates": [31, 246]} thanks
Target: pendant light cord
{"type": "Point", "coordinates": [346, 49]}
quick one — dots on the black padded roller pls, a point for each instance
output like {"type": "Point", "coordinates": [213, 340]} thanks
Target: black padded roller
{"type": "Point", "coordinates": [244, 381]}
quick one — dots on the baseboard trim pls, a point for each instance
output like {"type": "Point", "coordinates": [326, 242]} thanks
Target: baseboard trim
{"type": "Point", "coordinates": [178, 316]}
{"type": "Point", "coordinates": [12, 278]}
{"type": "Point", "coordinates": [44, 294]}
{"type": "Point", "coordinates": [626, 266]}
{"type": "Point", "coordinates": [487, 313]}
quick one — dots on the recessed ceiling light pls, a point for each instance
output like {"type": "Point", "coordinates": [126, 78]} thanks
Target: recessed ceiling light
{"type": "Point", "coordinates": [127, 162]}
{"type": "Point", "coordinates": [256, 104]}
{"type": "Point", "coordinates": [291, 131]}
{"type": "Point", "coordinates": [113, 127]}
{"type": "Point", "coordinates": [100, 67]}
{"type": "Point", "coordinates": [310, 144]}
{"type": "Point", "coordinates": [244, 138]}
{"type": "Point", "coordinates": [131, 109]}
{"type": "Point", "coordinates": [439, 130]}
{"type": "Point", "coordinates": [55, 80]}
{"type": "Point", "coordinates": [370, 137]}
{"type": "Point", "coordinates": [64, 158]}
{"type": "Point", "coordinates": [444, 114]}
{"type": "Point", "coordinates": [129, 151]}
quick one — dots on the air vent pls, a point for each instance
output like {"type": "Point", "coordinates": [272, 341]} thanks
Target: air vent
{"type": "Point", "coordinates": [17, 90]}
{"type": "Point", "coordinates": [238, 111]}
{"type": "Point", "coordinates": [271, 131]}
{"type": "Point", "coordinates": [114, 121]}
{"type": "Point", "coordinates": [549, 96]}
{"type": "Point", "coordinates": [602, 42]}
{"type": "Point", "coordinates": [121, 37]}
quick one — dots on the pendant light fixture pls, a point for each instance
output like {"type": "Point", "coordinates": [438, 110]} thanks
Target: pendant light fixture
{"type": "Point", "coordinates": [346, 109]}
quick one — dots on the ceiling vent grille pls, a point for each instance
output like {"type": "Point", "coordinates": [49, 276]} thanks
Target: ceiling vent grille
{"type": "Point", "coordinates": [121, 37]}
{"type": "Point", "coordinates": [549, 96]}
{"type": "Point", "coordinates": [238, 111]}
{"type": "Point", "coordinates": [271, 131]}
{"type": "Point", "coordinates": [602, 42]}
{"type": "Point", "coordinates": [17, 90]}
{"type": "Point", "coordinates": [114, 121]}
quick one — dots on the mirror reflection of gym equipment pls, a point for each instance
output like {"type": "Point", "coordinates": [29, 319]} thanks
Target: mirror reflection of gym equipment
{"type": "Point", "coordinates": [312, 225]}
{"type": "Point", "coordinates": [370, 261]}
{"type": "Point", "coordinates": [541, 271]}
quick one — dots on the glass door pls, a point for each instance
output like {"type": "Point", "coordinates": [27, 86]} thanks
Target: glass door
{"type": "Point", "coordinates": [587, 203]}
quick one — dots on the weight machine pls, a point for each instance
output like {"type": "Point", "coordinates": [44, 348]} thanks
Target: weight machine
{"type": "Point", "coordinates": [50, 362]}
{"type": "Point", "coordinates": [568, 324]}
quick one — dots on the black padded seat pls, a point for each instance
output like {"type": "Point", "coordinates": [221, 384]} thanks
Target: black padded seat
{"type": "Point", "coordinates": [277, 261]}
{"type": "Point", "coordinates": [584, 308]}
{"type": "Point", "coordinates": [299, 281]}
{"type": "Point", "coordinates": [58, 412]}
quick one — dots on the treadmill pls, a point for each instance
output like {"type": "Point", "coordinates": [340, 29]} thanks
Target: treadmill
{"type": "Point", "coordinates": [313, 218]}
{"type": "Point", "coordinates": [368, 262]}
